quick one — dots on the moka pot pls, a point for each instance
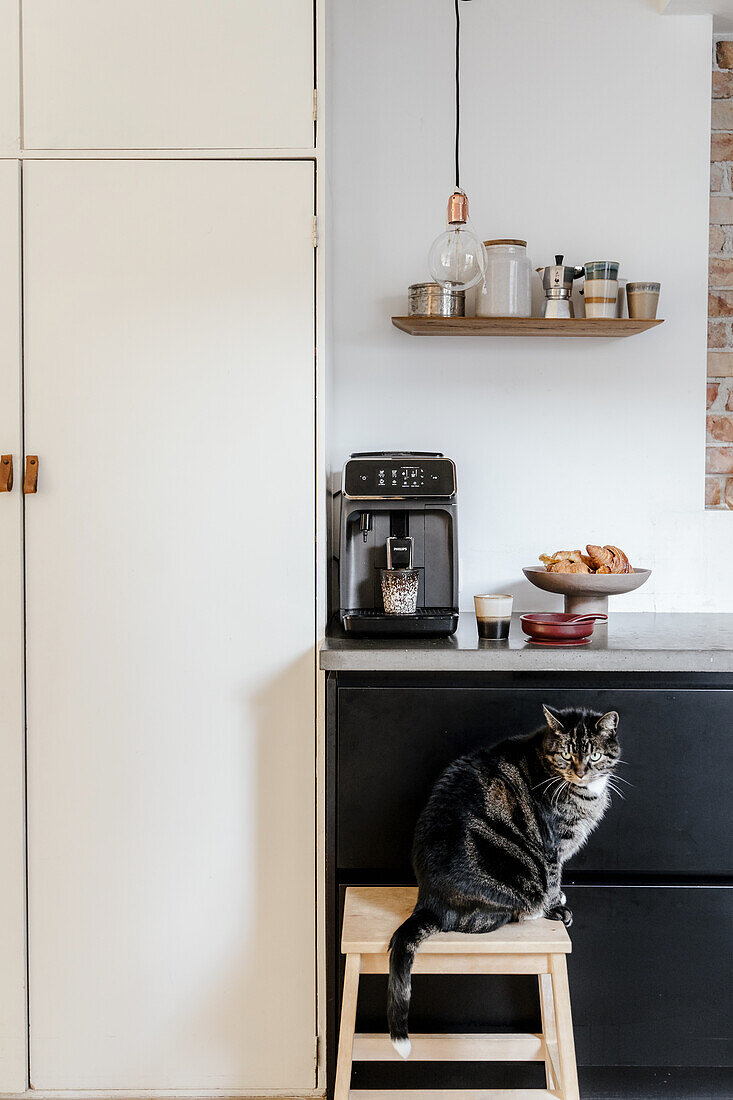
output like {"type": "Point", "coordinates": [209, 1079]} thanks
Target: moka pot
{"type": "Point", "coordinates": [557, 283]}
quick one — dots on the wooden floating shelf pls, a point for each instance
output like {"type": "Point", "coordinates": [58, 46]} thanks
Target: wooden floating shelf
{"type": "Point", "coordinates": [522, 326]}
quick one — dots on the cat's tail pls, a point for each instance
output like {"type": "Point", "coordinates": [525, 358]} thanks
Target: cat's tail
{"type": "Point", "coordinates": [403, 945]}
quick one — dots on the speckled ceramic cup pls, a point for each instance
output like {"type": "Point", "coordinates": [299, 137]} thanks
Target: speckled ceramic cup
{"type": "Point", "coordinates": [399, 590]}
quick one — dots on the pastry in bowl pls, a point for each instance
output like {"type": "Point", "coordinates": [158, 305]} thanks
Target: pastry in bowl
{"type": "Point", "coordinates": [587, 580]}
{"type": "Point", "coordinates": [608, 559]}
{"type": "Point", "coordinates": [597, 559]}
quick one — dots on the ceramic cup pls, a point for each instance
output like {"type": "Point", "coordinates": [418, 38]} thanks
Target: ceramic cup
{"type": "Point", "coordinates": [601, 269]}
{"type": "Point", "coordinates": [602, 309]}
{"type": "Point", "coordinates": [643, 299]}
{"type": "Point", "coordinates": [493, 615]}
{"type": "Point", "coordinates": [399, 590]}
{"type": "Point", "coordinates": [621, 297]}
{"type": "Point", "coordinates": [600, 288]}
{"type": "Point", "coordinates": [601, 297]}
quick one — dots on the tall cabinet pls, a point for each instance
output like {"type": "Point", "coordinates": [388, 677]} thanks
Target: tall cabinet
{"type": "Point", "coordinates": [157, 687]}
{"type": "Point", "coordinates": [13, 1068]}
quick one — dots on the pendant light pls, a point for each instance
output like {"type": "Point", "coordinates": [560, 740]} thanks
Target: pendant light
{"type": "Point", "coordinates": [457, 258]}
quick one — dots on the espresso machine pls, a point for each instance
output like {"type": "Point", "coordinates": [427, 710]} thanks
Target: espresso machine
{"type": "Point", "coordinates": [398, 509]}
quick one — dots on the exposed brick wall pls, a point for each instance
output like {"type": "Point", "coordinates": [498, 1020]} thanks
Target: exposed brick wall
{"type": "Point", "coordinates": [719, 431]}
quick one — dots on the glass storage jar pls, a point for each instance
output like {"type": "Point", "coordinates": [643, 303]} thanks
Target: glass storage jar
{"type": "Point", "coordinates": [507, 289]}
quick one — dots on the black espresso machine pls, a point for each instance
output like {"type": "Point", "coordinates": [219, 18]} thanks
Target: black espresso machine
{"type": "Point", "coordinates": [401, 504]}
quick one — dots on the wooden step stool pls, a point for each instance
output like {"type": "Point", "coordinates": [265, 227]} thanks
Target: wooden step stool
{"type": "Point", "coordinates": [371, 915]}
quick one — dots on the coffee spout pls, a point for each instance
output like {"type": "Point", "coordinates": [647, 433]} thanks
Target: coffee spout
{"type": "Point", "coordinates": [365, 525]}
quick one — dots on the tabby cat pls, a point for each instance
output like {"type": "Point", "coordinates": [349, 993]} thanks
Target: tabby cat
{"type": "Point", "coordinates": [498, 826]}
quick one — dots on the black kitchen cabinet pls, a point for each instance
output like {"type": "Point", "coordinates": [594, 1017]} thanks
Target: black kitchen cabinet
{"type": "Point", "coordinates": [652, 893]}
{"type": "Point", "coordinates": [678, 746]}
{"type": "Point", "coordinates": [650, 975]}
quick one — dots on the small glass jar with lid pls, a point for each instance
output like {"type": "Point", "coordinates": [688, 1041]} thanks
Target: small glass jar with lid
{"type": "Point", "coordinates": [507, 288]}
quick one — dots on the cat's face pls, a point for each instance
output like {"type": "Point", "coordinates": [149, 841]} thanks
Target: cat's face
{"type": "Point", "coordinates": [581, 747]}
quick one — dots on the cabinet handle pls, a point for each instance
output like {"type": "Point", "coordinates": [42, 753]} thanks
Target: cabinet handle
{"type": "Point", "coordinates": [6, 473]}
{"type": "Point", "coordinates": [30, 481]}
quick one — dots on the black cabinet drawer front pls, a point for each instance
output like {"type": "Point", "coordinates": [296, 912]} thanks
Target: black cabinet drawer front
{"type": "Point", "coordinates": [394, 742]}
{"type": "Point", "coordinates": [651, 975]}
{"type": "Point", "coordinates": [651, 983]}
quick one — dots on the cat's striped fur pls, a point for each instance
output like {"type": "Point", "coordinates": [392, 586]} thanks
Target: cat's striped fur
{"type": "Point", "coordinates": [498, 826]}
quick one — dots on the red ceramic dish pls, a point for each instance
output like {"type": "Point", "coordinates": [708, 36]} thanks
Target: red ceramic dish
{"type": "Point", "coordinates": [558, 625]}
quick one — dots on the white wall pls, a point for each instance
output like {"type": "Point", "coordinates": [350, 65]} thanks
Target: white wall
{"type": "Point", "coordinates": [557, 442]}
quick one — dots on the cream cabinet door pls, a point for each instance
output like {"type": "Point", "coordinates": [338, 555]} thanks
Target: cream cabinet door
{"type": "Point", "coordinates": [13, 1059]}
{"type": "Point", "coordinates": [9, 78]}
{"type": "Point", "coordinates": [170, 624]}
{"type": "Point", "coordinates": [162, 74]}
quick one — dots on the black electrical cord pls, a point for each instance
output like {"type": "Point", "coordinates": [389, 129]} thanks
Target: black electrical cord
{"type": "Point", "coordinates": [458, 90]}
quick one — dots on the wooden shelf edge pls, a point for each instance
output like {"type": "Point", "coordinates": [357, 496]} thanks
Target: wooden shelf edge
{"type": "Point", "coordinates": [599, 327]}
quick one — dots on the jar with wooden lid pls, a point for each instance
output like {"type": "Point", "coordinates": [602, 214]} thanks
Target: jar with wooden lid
{"type": "Point", "coordinates": [507, 287]}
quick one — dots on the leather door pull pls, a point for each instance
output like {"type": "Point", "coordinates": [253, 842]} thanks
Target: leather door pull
{"type": "Point", "coordinates": [30, 481]}
{"type": "Point", "coordinates": [6, 473]}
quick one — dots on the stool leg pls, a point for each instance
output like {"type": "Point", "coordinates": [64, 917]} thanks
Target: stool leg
{"type": "Point", "coordinates": [549, 1031]}
{"type": "Point", "coordinates": [348, 1023]}
{"type": "Point", "coordinates": [564, 1024]}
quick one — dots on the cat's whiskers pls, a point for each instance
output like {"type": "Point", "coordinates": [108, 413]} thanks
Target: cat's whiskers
{"type": "Point", "coordinates": [616, 790]}
{"type": "Point", "coordinates": [544, 782]}
{"type": "Point", "coordinates": [621, 779]}
{"type": "Point", "coordinates": [556, 796]}
{"type": "Point", "coordinates": [557, 779]}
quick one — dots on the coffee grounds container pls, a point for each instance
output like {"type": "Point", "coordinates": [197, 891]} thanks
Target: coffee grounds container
{"type": "Point", "coordinates": [392, 500]}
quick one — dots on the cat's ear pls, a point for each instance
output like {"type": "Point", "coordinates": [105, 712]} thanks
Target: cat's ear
{"type": "Point", "coordinates": [608, 722]}
{"type": "Point", "coordinates": [552, 720]}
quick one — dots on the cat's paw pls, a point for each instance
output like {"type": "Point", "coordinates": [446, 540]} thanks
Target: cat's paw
{"type": "Point", "coordinates": [561, 912]}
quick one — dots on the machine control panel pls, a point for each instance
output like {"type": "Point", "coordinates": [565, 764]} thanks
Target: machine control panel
{"type": "Point", "coordinates": [399, 476]}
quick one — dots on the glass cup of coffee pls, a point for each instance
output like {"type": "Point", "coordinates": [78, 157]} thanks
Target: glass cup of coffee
{"type": "Point", "coordinates": [493, 616]}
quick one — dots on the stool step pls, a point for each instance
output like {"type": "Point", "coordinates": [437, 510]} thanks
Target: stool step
{"type": "Point", "coordinates": [371, 914]}
{"type": "Point", "coordinates": [428, 962]}
{"type": "Point", "coordinates": [539, 947]}
{"type": "Point", "coordinates": [453, 1048]}
{"type": "Point", "coordinates": [452, 1094]}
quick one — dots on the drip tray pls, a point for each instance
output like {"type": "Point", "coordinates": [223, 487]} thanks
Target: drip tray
{"type": "Point", "coordinates": [426, 620]}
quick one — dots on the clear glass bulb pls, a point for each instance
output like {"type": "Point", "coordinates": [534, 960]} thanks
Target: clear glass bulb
{"type": "Point", "coordinates": [457, 258]}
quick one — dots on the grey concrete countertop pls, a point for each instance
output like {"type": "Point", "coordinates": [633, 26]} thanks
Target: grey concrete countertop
{"type": "Point", "coordinates": [629, 643]}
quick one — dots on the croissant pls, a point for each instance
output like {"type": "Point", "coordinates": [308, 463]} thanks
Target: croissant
{"type": "Point", "coordinates": [600, 556]}
{"type": "Point", "coordinates": [567, 566]}
{"type": "Point", "coordinates": [621, 563]}
{"type": "Point", "coordinates": [559, 555]}
{"type": "Point", "coordinates": [563, 555]}
{"type": "Point", "coordinates": [599, 559]}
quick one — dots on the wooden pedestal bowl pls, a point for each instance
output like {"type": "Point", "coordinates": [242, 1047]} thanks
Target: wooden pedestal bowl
{"type": "Point", "coordinates": [586, 592]}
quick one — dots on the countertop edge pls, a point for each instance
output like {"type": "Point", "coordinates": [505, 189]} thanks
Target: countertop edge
{"type": "Point", "coordinates": [576, 660]}
{"type": "Point", "coordinates": [632, 642]}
